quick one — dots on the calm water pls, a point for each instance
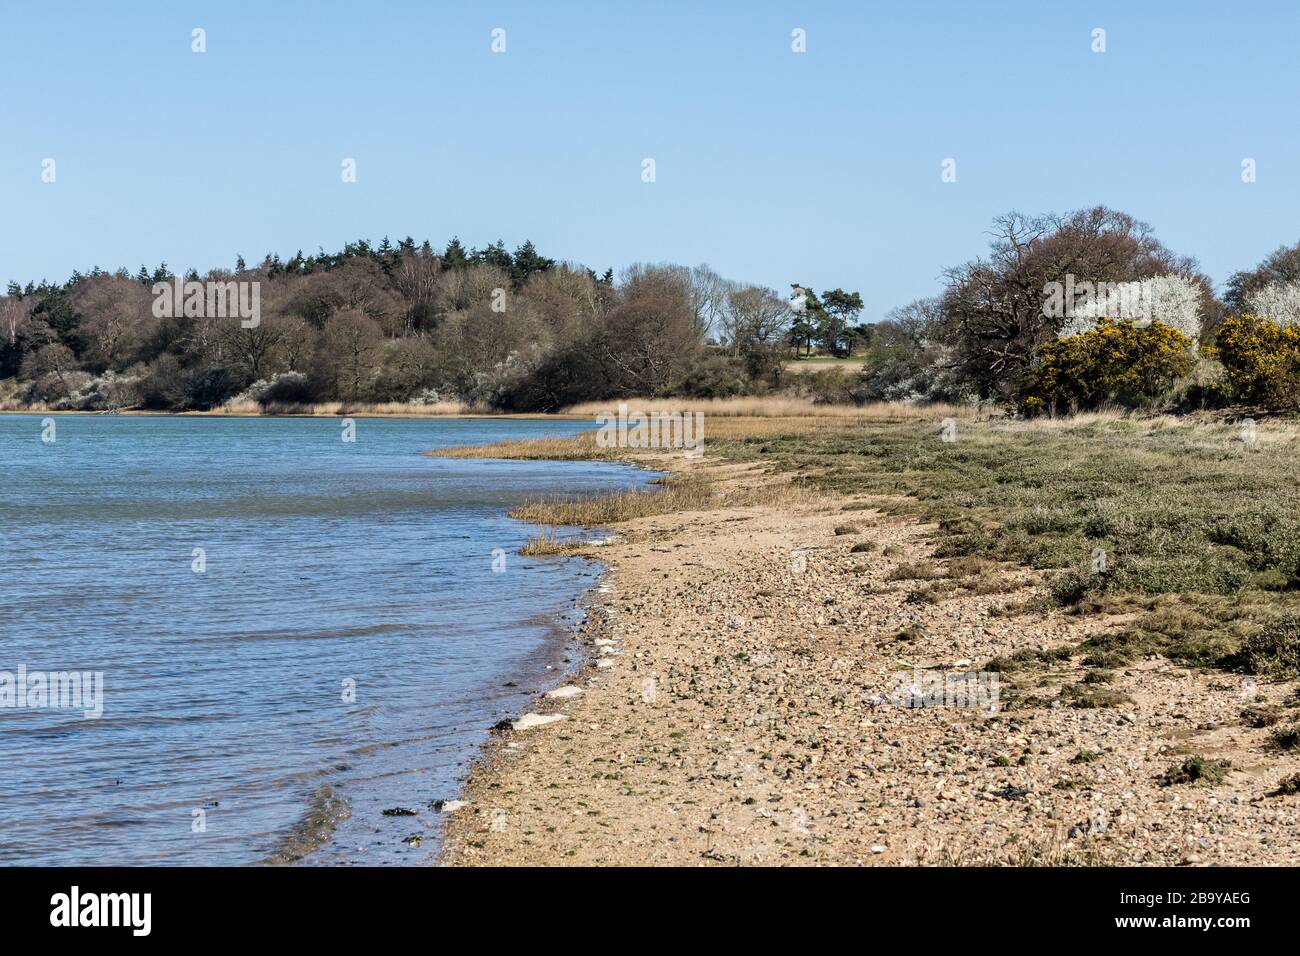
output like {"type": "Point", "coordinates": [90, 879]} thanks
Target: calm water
{"type": "Point", "coordinates": [224, 690]}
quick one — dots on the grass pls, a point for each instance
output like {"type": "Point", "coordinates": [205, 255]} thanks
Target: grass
{"type": "Point", "coordinates": [678, 494]}
{"type": "Point", "coordinates": [333, 409]}
{"type": "Point", "coordinates": [774, 406]}
{"type": "Point", "coordinates": [550, 544]}
{"type": "Point", "coordinates": [1197, 769]}
{"type": "Point", "coordinates": [1198, 536]}
{"type": "Point", "coordinates": [1088, 696]}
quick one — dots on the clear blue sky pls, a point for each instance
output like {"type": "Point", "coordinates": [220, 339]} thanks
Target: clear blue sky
{"type": "Point", "coordinates": [822, 167]}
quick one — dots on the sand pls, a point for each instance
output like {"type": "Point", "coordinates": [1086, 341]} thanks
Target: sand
{"type": "Point", "coordinates": [740, 706]}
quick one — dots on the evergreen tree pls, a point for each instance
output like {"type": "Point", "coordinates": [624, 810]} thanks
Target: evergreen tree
{"type": "Point", "coordinates": [840, 309]}
{"type": "Point", "coordinates": [455, 257]}
{"type": "Point", "coordinates": [526, 262]}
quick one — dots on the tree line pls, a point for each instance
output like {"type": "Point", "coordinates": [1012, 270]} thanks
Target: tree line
{"type": "Point", "coordinates": [400, 322]}
{"type": "Point", "coordinates": [519, 331]}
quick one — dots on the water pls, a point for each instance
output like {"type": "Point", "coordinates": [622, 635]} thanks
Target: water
{"type": "Point", "coordinates": [227, 733]}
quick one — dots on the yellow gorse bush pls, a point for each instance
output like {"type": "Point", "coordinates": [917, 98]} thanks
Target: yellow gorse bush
{"type": "Point", "coordinates": [1116, 362]}
{"type": "Point", "coordinates": [1261, 360]}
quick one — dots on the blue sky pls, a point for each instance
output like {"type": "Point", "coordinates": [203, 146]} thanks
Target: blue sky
{"type": "Point", "coordinates": [772, 166]}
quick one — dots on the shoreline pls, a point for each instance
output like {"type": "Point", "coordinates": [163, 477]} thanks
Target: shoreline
{"type": "Point", "coordinates": [414, 415]}
{"type": "Point", "coordinates": [731, 712]}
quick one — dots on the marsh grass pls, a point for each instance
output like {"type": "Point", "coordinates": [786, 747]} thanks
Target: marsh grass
{"type": "Point", "coordinates": [549, 543]}
{"type": "Point", "coordinates": [331, 409]}
{"type": "Point", "coordinates": [776, 406]}
{"type": "Point", "coordinates": [675, 495]}
{"type": "Point", "coordinates": [1200, 532]}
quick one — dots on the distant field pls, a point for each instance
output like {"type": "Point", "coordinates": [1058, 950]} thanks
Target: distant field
{"type": "Point", "coordinates": [817, 363]}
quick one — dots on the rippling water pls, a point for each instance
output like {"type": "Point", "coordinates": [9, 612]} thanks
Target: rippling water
{"type": "Point", "coordinates": [225, 689]}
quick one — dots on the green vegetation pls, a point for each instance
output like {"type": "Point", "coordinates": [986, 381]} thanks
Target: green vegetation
{"type": "Point", "coordinates": [1261, 360]}
{"type": "Point", "coordinates": [1286, 738]}
{"type": "Point", "coordinates": [1176, 521]}
{"type": "Point", "coordinates": [1116, 362]}
{"type": "Point", "coordinates": [1197, 769]}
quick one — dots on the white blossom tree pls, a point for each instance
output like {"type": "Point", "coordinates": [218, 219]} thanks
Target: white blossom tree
{"type": "Point", "coordinates": [1279, 301]}
{"type": "Point", "coordinates": [1172, 300]}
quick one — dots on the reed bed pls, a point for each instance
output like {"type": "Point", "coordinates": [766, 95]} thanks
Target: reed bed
{"type": "Point", "coordinates": [773, 406]}
{"type": "Point", "coordinates": [685, 494]}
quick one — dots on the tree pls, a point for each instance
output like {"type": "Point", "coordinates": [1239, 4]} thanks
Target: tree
{"type": "Point", "coordinates": [809, 314]}
{"type": "Point", "coordinates": [840, 309]}
{"type": "Point", "coordinates": [455, 257]}
{"type": "Point", "coordinates": [526, 262]}
{"type": "Point", "coordinates": [352, 341]}
{"type": "Point", "coordinates": [756, 324]}
{"type": "Point", "coordinates": [251, 350]}
{"type": "Point", "coordinates": [55, 360]}
{"type": "Point", "coordinates": [417, 279]}
{"type": "Point", "coordinates": [115, 314]}
{"type": "Point", "coordinates": [15, 313]}
{"type": "Point", "coordinates": [995, 311]}
{"type": "Point", "coordinates": [651, 337]}
{"type": "Point", "coordinates": [1281, 266]}
{"type": "Point", "coordinates": [1279, 301]}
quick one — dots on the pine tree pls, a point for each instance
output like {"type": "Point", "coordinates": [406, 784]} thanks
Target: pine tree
{"type": "Point", "coordinates": [455, 257]}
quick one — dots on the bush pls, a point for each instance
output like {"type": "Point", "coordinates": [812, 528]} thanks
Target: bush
{"type": "Point", "coordinates": [1274, 651]}
{"type": "Point", "coordinates": [283, 388]}
{"type": "Point", "coordinates": [1197, 769]}
{"type": "Point", "coordinates": [1116, 362]}
{"type": "Point", "coordinates": [831, 386]}
{"type": "Point", "coordinates": [1261, 360]}
{"type": "Point", "coordinates": [209, 386]}
{"type": "Point", "coordinates": [715, 376]}
{"type": "Point", "coordinates": [55, 389]}
{"type": "Point", "coordinates": [108, 392]}
{"type": "Point", "coordinates": [163, 385]}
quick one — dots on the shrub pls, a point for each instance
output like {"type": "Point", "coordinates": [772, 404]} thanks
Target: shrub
{"type": "Point", "coordinates": [1286, 738]}
{"type": "Point", "coordinates": [1261, 360]}
{"type": "Point", "coordinates": [208, 386]}
{"type": "Point", "coordinates": [1116, 362]}
{"type": "Point", "coordinates": [715, 376]}
{"type": "Point", "coordinates": [1288, 786]}
{"type": "Point", "coordinates": [1274, 651]}
{"type": "Point", "coordinates": [830, 386]}
{"type": "Point", "coordinates": [283, 388]}
{"type": "Point", "coordinates": [109, 391]}
{"type": "Point", "coordinates": [1197, 769]}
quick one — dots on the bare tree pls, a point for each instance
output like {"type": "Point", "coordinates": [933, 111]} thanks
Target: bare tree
{"type": "Point", "coordinates": [756, 318]}
{"type": "Point", "coordinates": [15, 313]}
{"type": "Point", "coordinates": [352, 340]}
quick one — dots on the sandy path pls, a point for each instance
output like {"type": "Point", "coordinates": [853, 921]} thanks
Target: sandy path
{"type": "Point", "coordinates": [730, 714]}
